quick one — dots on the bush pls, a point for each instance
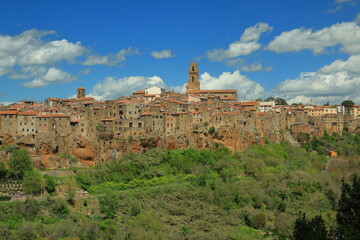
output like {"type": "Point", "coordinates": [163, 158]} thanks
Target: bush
{"type": "Point", "coordinates": [50, 184]}
{"type": "Point", "coordinates": [211, 130]}
{"type": "Point", "coordinates": [109, 203]}
{"type": "Point", "coordinates": [33, 182]}
{"type": "Point", "coordinates": [20, 163]}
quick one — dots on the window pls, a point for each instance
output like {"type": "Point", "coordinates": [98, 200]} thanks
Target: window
{"type": "Point", "coordinates": [192, 79]}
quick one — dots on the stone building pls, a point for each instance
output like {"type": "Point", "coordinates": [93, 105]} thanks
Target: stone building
{"type": "Point", "coordinates": [193, 82]}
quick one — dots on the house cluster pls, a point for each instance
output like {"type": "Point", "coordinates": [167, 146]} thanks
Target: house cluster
{"type": "Point", "coordinates": [156, 112]}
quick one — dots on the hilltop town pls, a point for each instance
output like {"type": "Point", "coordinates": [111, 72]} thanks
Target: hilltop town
{"type": "Point", "coordinates": [93, 131]}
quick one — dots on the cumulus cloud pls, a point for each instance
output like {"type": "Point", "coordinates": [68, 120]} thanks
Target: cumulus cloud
{"type": "Point", "coordinates": [346, 34]}
{"type": "Point", "coordinates": [6, 103]}
{"type": "Point", "coordinates": [28, 49]}
{"type": "Point", "coordinates": [335, 82]}
{"type": "Point", "coordinates": [28, 55]}
{"type": "Point", "coordinates": [247, 89]}
{"type": "Point", "coordinates": [241, 64]}
{"type": "Point", "coordinates": [162, 54]}
{"type": "Point", "coordinates": [110, 59]}
{"type": "Point", "coordinates": [248, 43]}
{"type": "Point", "coordinates": [52, 75]}
{"type": "Point", "coordinates": [351, 65]}
{"type": "Point", "coordinates": [112, 88]}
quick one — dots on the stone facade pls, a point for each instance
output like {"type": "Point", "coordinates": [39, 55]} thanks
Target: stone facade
{"type": "Point", "coordinates": [93, 130]}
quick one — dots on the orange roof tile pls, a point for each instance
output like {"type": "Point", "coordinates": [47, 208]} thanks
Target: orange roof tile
{"type": "Point", "coordinates": [30, 113]}
{"type": "Point", "coordinates": [139, 92]}
{"type": "Point", "coordinates": [8, 112]}
{"type": "Point", "coordinates": [147, 113]}
{"type": "Point", "coordinates": [84, 98]}
{"type": "Point", "coordinates": [211, 91]}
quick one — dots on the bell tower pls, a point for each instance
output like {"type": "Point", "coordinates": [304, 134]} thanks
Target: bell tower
{"type": "Point", "coordinates": [80, 93]}
{"type": "Point", "coordinates": [193, 82]}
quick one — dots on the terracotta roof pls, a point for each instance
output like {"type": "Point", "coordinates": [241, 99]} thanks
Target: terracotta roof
{"type": "Point", "coordinates": [55, 99]}
{"type": "Point", "coordinates": [35, 105]}
{"type": "Point", "coordinates": [227, 98]}
{"type": "Point", "coordinates": [173, 101]}
{"type": "Point", "coordinates": [43, 116]}
{"type": "Point", "coordinates": [15, 107]}
{"type": "Point", "coordinates": [139, 92]}
{"type": "Point", "coordinates": [80, 88]}
{"type": "Point", "coordinates": [84, 98]}
{"type": "Point", "coordinates": [211, 91]}
{"type": "Point", "coordinates": [147, 113]}
{"type": "Point", "coordinates": [30, 113]}
{"type": "Point", "coordinates": [8, 112]}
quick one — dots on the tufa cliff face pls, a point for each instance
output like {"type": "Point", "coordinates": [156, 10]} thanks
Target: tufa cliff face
{"type": "Point", "coordinates": [236, 132]}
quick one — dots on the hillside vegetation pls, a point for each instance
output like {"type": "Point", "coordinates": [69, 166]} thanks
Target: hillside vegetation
{"type": "Point", "coordinates": [192, 194]}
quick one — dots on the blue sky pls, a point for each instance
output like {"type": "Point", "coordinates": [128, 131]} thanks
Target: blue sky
{"type": "Point", "coordinates": [299, 50]}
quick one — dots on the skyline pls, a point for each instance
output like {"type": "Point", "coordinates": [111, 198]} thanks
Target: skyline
{"type": "Point", "coordinates": [298, 51]}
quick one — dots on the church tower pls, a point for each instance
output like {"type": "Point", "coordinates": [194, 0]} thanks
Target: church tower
{"type": "Point", "coordinates": [193, 83]}
{"type": "Point", "coordinates": [80, 92]}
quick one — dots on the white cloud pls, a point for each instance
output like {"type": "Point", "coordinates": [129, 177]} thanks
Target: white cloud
{"type": "Point", "coordinates": [351, 65]}
{"type": "Point", "coordinates": [110, 59]}
{"type": "Point", "coordinates": [253, 67]}
{"type": "Point", "coordinates": [112, 88]}
{"type": "Point", "coordinates": [6, 103]}
{"type": "Point", "coordinates": [85, 71]}
{"type": "Point", "coordinates": [248, 43]}
{"type": "Point", "coordinates": [334, 83]}
{"type": "Point", "coordinates": [162, 54]}
{"type": "Point", "coordinates": [357, 19]}
{"type": "Point", "coordinates": [247, 89]}
{"type": "Point", "coordinates": [52, 75]}
{"type": "Point", "coordinates": [347, 34]}
{"type": "Point", "coordinates": [28, 49]}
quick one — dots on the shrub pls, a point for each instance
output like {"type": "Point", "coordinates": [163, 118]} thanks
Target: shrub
{"type": "Point", "coordinates": [33, 182]}
{"type": "Point", "coordinates": [211, 130]}
{"type": "Point", "coordinates": [19, 163]}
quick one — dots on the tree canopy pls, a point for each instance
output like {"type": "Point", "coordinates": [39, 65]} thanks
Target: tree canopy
{"type": "Point", "coordinates": [19, 163]}
{"type": "Point", "coordinates": [347, 103]}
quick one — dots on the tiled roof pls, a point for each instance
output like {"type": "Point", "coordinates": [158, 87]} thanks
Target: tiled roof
{"type": "Point", "coordinates": [211, 91]}
{"type": "Point", "coordinates": [8, 112]}
{"type": "Point", "coordinates": [30, 113]}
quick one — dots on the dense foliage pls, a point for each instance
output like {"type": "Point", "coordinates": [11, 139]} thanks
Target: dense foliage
{"type": "Point", "coordinates": [346, 145]}
{"type": "Point", "coordinates": [191, 194]}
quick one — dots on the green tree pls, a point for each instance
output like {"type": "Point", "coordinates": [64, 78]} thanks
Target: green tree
{"type": "Point", "coordinates": [19, 163]}
{"type": "Point", "coordinates": [33, 182]}
{"type": "Point", "coordinates": [280, 101]}
{"type": "Point", "coordinates": [348, 214]}
{"type": "Point", "coordinates": [313, 229]}
{"type": "Point", "coordinates": [109, 203]}
{"type": "Point", "coordinates": [211, 130]}
{"type": "Point", "coordinates": [50, 184]}
{"type": "Point", "coordinates": [347, 103]}
{"type": "Point", "coordinates": [3, 170]}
